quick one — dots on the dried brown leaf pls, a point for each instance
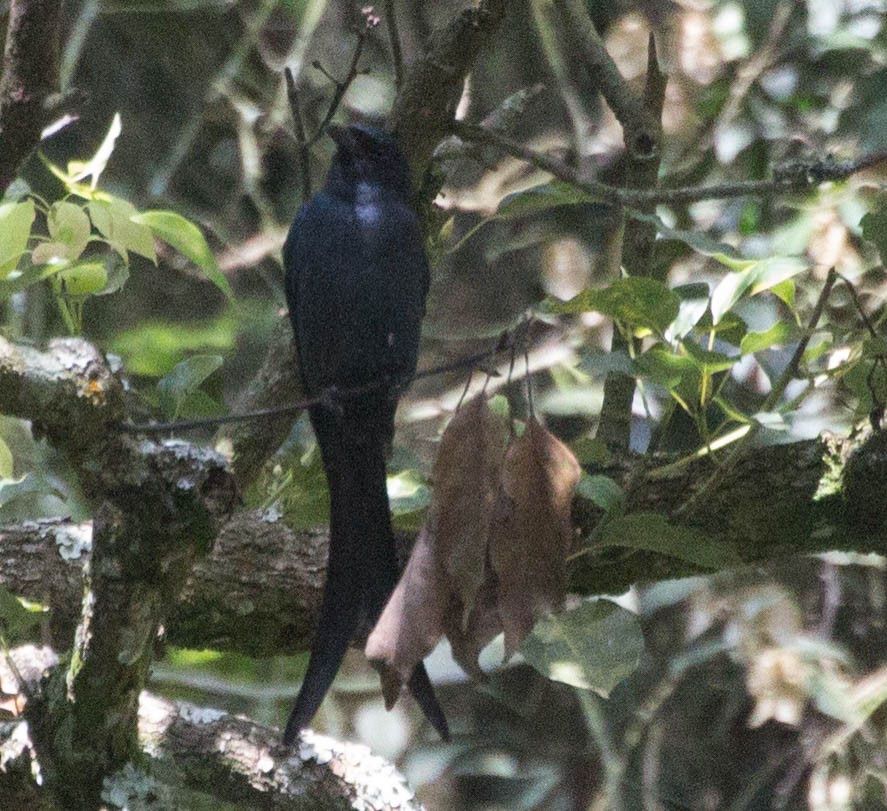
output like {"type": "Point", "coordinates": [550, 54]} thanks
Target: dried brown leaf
{"type": "Point", "coordinates": [466, 476]}
{"type": "Point", "coordinates": [532, 533]}
{"type": "Point", "coordinates": [412, 621]}
{"type": "Point", "coordinates": [469, 637]}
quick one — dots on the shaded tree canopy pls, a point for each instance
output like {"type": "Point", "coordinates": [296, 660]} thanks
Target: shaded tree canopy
{"type": "Point", "coordinates": [656, 228]}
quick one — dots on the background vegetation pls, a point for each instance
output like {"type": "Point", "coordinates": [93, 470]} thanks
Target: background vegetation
{"type": "Point", "coordinates": [756, 683]}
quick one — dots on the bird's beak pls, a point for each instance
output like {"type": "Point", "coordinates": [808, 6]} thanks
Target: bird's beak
{"type": "Point", "coordinates": [342, 137]}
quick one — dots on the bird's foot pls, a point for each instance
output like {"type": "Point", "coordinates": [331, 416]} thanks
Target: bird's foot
{"type": "Point", "coordinates": [331, 400]}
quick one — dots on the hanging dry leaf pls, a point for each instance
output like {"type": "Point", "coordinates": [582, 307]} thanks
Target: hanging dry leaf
{"type": "Point", "coordinates": [531, 534]}
{"type": "Point", "coordinates": [466, 477]}
{"type": "Point", "coordinates": [412, 621]}
{"type": "Point", "coordinates": [492, 556]}
{"type": "Point", "coordinates": [469, 638]}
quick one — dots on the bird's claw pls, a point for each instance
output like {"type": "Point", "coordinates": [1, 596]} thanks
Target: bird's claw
{"type": "Point", "coordinates": [331, 400]}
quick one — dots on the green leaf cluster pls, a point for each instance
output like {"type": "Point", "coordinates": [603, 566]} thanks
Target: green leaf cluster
{"type": "Point", "coordinates": [64, 243]}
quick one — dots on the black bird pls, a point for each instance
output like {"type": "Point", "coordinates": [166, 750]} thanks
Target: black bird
{"type": "Point", "coordinates": [356, 281]}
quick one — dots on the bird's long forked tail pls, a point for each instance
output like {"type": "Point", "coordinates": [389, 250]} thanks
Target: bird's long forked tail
{"type": "Point", "coordinates": [361, 574]}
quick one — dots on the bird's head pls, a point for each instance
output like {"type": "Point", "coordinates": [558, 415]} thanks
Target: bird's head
{"type": "Point", "coordinates": [368, 158]}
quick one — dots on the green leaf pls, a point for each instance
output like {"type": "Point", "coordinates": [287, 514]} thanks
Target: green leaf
{"type": "Point", "coordinates": [599, 364]}
{"type": "Point", "coordinates": [698, 241]}
{"type": "Point", "coordinates": [762, 275]}
{"type": "Point", "coordinates": [728, 291]}
{"type": "Point", "coordinates": [50, 252]}
{"type": "Point", "coordinates": [694, 303]}
{"type": "Point", "coordinates": [26, 278]}
{"type": "Point", "coordinates": [731, 410]}
{"type": "Point", "coordinates": [408, 492]}
{"type": "Point", "coordinates": [113, 219]}
{"type": "Point", "coordinates": [154, 347]}
{"type": "Point", "coordinates": [785, 292]}
{"type": "Point", "coordinates": [874, 347]}
{"type": "Point", "coordinates": [874, 229]}
{"type": "Point", "coordinates": [68, 225]}
{"type": "Point", "coordinates": [593, 647]}
{"type": "Point", "coordinates": [706, 360]}
{"type": "Point", "coordinates": [84, 279]}
{"type": "Point", "coordinates": [15, 230]}
{"type": "Point", "coordinates": [11, 489]}
{"type": "Point", "coordinates": [306, 501]}
{"type": "Point", "coordinates": [6, 462]}
{"type": "Point", "coordinates": [185, 378]}
{"type": "Point", "coordinates": [186, 238]}
{"type": "Point", "coordinates": [636, 301]}
{"type": "Point", "coordinates": [591, 451]}
{"type": "Point", "coordinates": [16, 190]}
{"type": "Point", "coordinates": [773, 271]}
{"type": "Point", "coordinates": [198, 405]}
{"type": "Point", "coordinates": [16, 622]}
{"type": "Point", "coordinates": [771, 420]}
{"type": "Point", "coordinates": [93, 168]}
{"type": "Point", "coordinates": [532, 200]}
{"type": "Point", "coordinates": [540, 198]}
{"type": "Point", "coordinates": [731, 328]}
{"type": "Point", "coordinates": [117, 274]}
{"type": "Point", "coordinates": [778, 335]}
{"type": "Point", "coordinates": [602, 491]}
{"type": "Point", "coordinates": [651, 532]}
{"type": "Point", "coordinates": [664, 367]}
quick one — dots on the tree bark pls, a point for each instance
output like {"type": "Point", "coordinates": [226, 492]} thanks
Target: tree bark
{"type": "Point", "coordinates": [30, 76]}
{"type": "Point", "coordinates": [194, 757]}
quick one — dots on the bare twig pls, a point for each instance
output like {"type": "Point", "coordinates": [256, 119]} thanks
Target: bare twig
{"type": "Point", "coordinates": [791, 370]}
{"type": "Point", "coordinates": [632, 113]}
{"type": "Point", "coordinates": [472, 362]}
{"type": "Point", "coordinates": [302, 154]}
{"type": "Point", "coordinates": [394, 39]}
{"type": "Point", "coordinates": [567, 82]}
{"type": "Point", "coordinates": [794, 177]}
{"type": "Point", "coordinates": [341, 86]}
{"type": "Point", "coordinates": [693, 505]}
{"type": "Point", "coordinates": [552, 165]}
{"type": "Point", "coordinates": [876, 415]}
{"type": "Point", "coordinates": [740, 84]}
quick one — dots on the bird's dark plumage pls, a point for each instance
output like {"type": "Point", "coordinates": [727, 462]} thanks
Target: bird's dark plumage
{"type": "Point", "coordinates": [356, 280]}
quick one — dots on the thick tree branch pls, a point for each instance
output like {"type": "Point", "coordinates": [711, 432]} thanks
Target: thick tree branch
{"type": "Point", "coordinates": [197, 756]}
{"type": "Point", "coordinates": [257, 592]}
{"type": "Point", "coordinates": [157, 507]}
{"type": "Point", "coordinates": [67, 393]}
{"type": "Point", "coordinates": [30, 76]}
{"type": "Point", "coordinates": [249, 444]}
{"type": "Point", "coordinates": [424, 108]}
{"type": "Point", "coordinates": [259, 589]}
{"type": "Point", "coordinates": [643, 135]}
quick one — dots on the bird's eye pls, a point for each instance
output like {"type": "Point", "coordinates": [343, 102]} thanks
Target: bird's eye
{"type": "Point", "coordinates": [366, 142]}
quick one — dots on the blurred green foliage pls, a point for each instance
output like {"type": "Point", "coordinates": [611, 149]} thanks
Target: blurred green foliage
{"type": "Point", "coordinates": [163, 247]}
